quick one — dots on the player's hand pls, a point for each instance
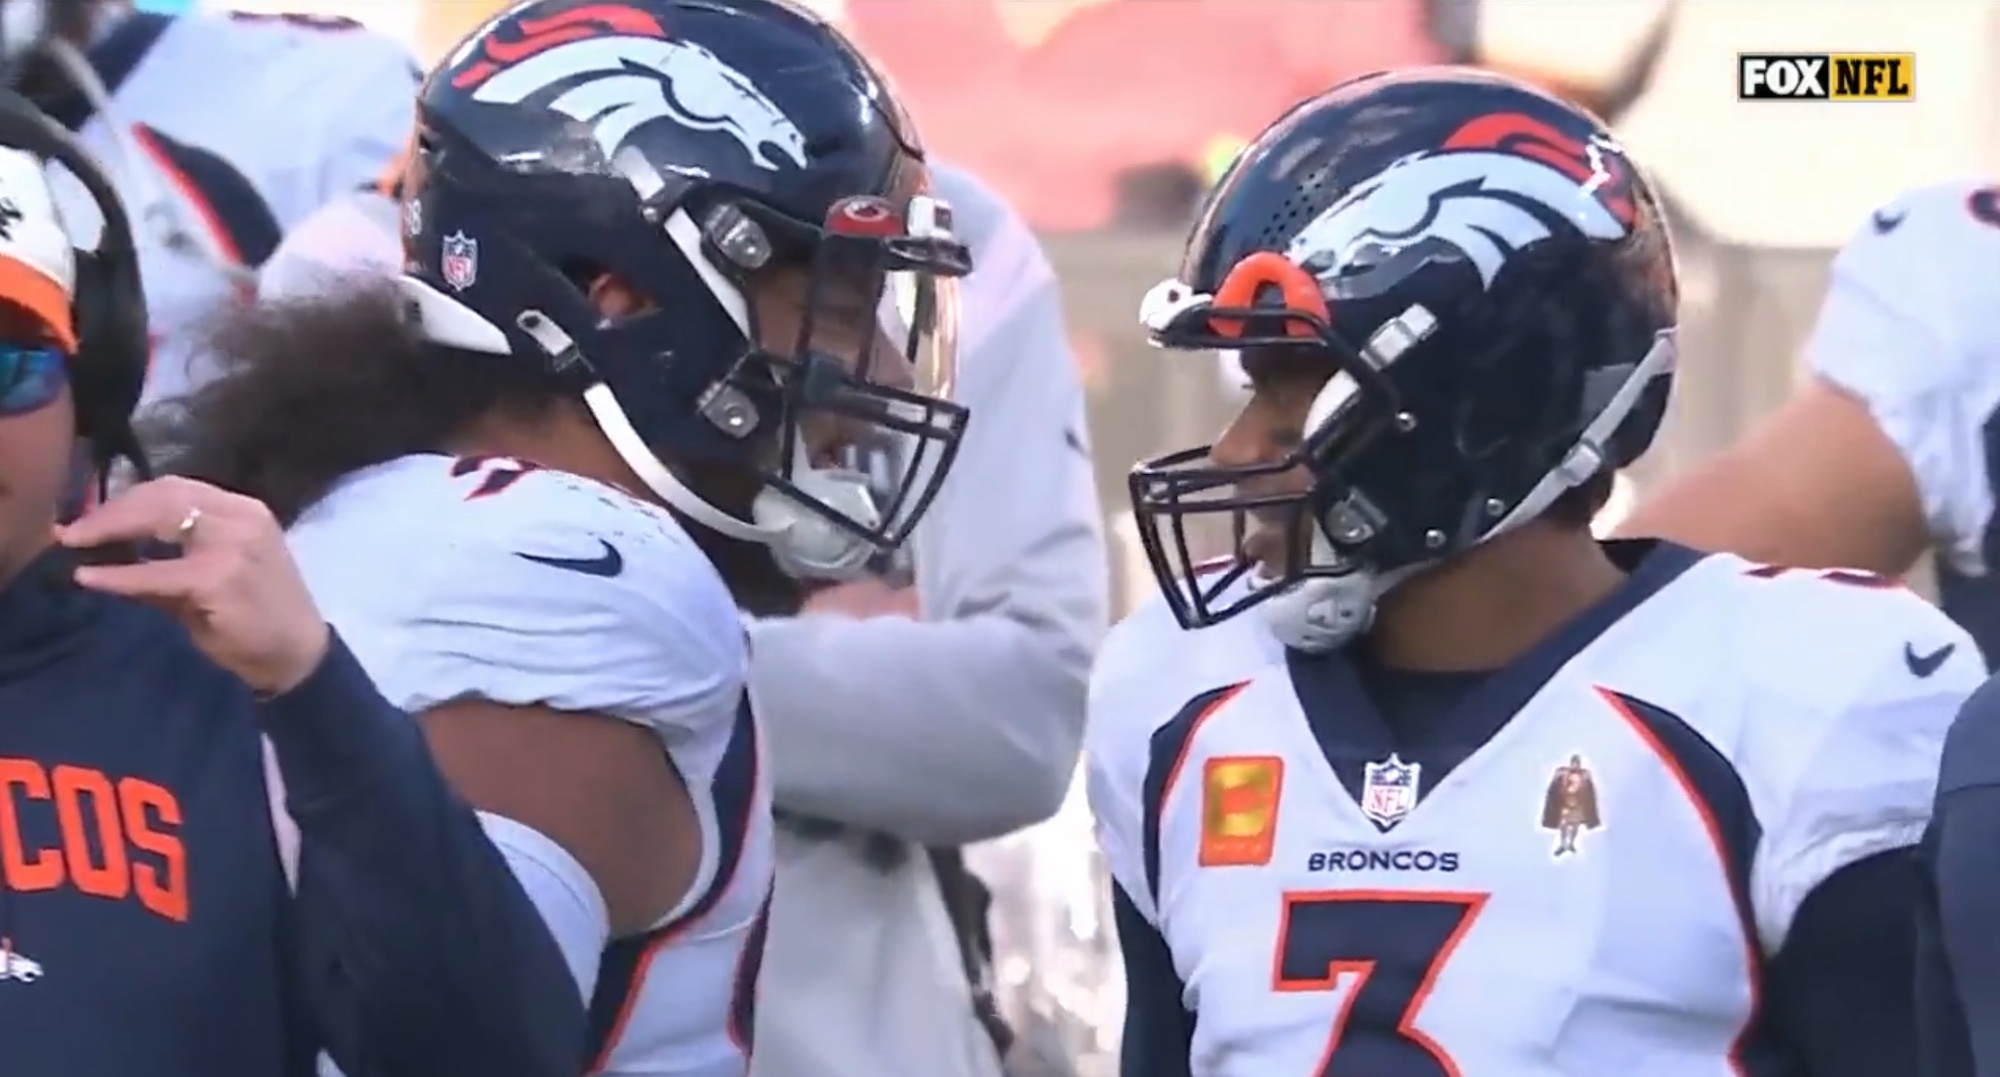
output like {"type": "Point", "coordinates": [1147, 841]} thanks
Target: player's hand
{"type": "Point", "coordinates": [864, 598]}
{"type": "Point", "coordinates": [234, 587]}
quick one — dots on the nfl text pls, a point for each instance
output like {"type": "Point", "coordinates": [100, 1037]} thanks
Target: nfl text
{"type": "Point", "coordinates": [1826, 76]}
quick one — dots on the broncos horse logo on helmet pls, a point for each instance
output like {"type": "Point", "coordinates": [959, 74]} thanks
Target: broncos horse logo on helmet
{"type": "Point", "coordinates": [619, 83]}
{"type": "Point", "coordinates": [1484, 200]}
{"type": "Point", "coordinates": [707, 156]}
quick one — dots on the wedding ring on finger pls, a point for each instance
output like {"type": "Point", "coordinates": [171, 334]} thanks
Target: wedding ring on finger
{"type": "Point", "coordinates": [184, 534]}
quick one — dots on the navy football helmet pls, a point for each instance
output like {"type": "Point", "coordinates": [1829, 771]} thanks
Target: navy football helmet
{"type": "Point", "coordinates": [1487, 278]}
{"type": "Point", "coordinates": [691, 149]}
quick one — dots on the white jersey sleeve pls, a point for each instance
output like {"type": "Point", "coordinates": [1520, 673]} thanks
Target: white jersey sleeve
{"type": "Point", "coordinates": [1911, 326]}
{"type": "Point", "coordinates": [346, 96]}
{"type": "Point", "coordinates": [492, 580]}
{"type": "Point", "coordinates": [648, 635]}
{"type": "Point", "coordinates": [1841, 751]}
{"type": "Point", "coordinates": [1149, 672]}
{"type": "Point", "coordinates": [355, 235]}
{"type": "Point", "coordinates": [1118, 725]}
{"type": "Point", "coordinates": [571, 905]}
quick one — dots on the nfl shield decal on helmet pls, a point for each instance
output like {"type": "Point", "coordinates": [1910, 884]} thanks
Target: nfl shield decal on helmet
{"type": "Point", "coordinates": [1389, 790]}
{"type": "Point", "coordinates": [459, 262]}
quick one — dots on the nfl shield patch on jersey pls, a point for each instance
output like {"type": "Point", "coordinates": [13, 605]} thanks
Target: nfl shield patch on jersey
{"type": "Point", "coordinates": [1389, 790]}
{"type": "Point", "coordinates": [1239, 809]}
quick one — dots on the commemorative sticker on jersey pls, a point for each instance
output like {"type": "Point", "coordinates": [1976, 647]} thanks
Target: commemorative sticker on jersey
{"type": "Point", "coordinates": [1239, 809]}
{"type": "Point", "coordinates": [1389, 790]}
{"type": "Point", "coordinates": [1570, 806]}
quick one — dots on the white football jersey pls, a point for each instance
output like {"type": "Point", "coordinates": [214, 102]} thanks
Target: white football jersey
{"type": "Point", "coordinates": [354, 237]}
{"type": "Point", "coordinates": [455, 578]}
{"type": "Point", "coordinates": [224, 130]}
{"type": "Point", "coordinates": [1911, 326]}
{"type": "Point", "coordinates": [1593, 889]}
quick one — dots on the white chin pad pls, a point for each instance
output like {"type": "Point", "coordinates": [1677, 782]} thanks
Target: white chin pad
{"type": "Point", "coordinates": [808, 545]}
{"type": "Point", "coordinates": [1323, 613]}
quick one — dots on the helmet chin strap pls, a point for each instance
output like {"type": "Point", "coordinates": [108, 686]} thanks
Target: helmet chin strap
{"type": "Point", "coordinates": [810, 546]}
{"type": "Point", "coordinates": [1321, 614]}
{"type": "Point", "coordinates": [805, 544]}
{"type": "Point", "coordinates": [1324, 613]}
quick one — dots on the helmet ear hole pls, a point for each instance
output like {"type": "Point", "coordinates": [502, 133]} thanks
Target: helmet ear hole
{"type": "Point", "coordinates": [612, 295]}
{"type": "Point", "coordinates": [586, 275]}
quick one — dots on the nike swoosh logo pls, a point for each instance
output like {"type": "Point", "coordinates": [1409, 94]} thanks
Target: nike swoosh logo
{"type": "Point", "coordinates": [1886, 222]}
{"type": "Point", "coordinates": [1074, 439]}
{"type": "Point", "coordinates": [1923, 665]}
{"type": "Point", "coordinates": [609, 564]}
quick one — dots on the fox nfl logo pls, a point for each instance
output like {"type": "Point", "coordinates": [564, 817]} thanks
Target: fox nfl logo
{"type": "Point", "coordinates": [1826, 76]}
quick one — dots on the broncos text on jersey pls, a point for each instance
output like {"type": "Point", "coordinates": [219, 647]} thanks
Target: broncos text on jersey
{"type": "Point", "coordinates": [1911, 326]}
{"type": "Point", "coordinates": [489, 578]}
{"type": "Point", "coordinates": [1594, 888]}
{"type": "Point", "coordinates": [223, 131]}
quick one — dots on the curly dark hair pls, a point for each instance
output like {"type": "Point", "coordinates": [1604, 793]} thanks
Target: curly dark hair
{"type": "Point", "coordinates": [315, 388]}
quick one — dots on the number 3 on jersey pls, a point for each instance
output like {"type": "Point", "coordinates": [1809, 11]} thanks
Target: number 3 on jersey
{"type": "Point", "coordinates": [1384, 949]}
{"type": "Point", "coordinates": [302, 20]}
{"type": "Point", "coordinates": [496, 473]}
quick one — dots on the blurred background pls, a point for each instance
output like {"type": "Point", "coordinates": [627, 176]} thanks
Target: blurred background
{"type": "Point", "coordinates": [1104, 121]}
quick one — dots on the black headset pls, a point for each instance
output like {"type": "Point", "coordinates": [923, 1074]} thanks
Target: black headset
{"type": "Point", "coordinates": [108, 372]}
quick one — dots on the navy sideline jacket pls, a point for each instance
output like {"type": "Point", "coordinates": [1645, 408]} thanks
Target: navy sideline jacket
{"type": "Point", "coordinates": [1958, 940]}
{"type": "Point", "coordinates": [146, 923]}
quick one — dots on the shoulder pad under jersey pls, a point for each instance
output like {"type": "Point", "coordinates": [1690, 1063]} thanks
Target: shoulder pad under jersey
{"type": "Point", "coordinates": [527, 586]}
{"type": "Point", "coordinates": [1853, 683]}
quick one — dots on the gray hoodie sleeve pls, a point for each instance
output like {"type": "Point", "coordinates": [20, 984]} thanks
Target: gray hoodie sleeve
{"type": "Point", "coordinates": [965, 725]}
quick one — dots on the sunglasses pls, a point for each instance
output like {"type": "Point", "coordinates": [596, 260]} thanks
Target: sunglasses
{"type": "Point", "coordinates": [31, 377]}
